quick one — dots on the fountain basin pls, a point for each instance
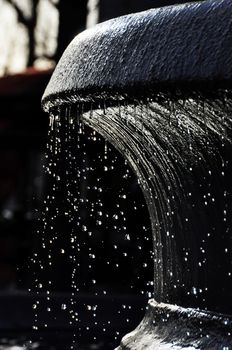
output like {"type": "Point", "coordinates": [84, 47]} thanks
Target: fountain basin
{"type": "Point", "coordinates": [172, 45]}
{"type": "Point", "coordinates": [129, 62]}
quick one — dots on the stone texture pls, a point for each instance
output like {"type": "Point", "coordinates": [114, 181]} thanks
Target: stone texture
{"type": "Point", "coordinates": [173, 44]}
{"type": "Point", "coordinates": [172, 327]}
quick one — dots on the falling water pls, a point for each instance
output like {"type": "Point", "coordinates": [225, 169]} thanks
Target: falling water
{"type": "Point", "coordinates": [87, 231]}
{"type": "Point", "coordinates": [178, 145]}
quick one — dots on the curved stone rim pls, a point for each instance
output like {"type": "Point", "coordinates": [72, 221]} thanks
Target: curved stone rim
{"type": "Point", "coordinates": [168, 326]}
{"type": "Point", "coordinates": [93, 98]}
{"type": "Point", "coordinates": [170, 45]}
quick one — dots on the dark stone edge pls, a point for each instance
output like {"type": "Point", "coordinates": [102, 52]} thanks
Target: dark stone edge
{"type": "Point", "coordinates": [92, 98]}
{"type": "Point", "coordinates": [182, 327]}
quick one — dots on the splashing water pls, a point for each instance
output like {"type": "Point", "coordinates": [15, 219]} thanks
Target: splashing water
{"type": "Point", "coordinates": [88, 231]}
{"type": "Point", "coordinates": [179, 148]}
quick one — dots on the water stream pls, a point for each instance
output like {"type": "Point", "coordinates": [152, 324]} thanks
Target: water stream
{"type": "Point", "coordinates": [90, 231]}
{"type": "Point", "coordinates": [179, 147]}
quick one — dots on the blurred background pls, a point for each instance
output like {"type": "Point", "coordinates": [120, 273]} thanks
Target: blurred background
{"type": "Point", "coordinates": [33, 36]}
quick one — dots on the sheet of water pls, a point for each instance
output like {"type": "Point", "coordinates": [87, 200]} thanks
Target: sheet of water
{"type": "Point", "coordinates": [179, 147]}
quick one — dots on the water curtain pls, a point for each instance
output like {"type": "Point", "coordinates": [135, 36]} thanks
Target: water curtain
{"type": "Point", "coordinates": [157, 85]}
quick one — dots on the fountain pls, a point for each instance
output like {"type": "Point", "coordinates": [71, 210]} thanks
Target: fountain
{"type": "Point", "coordinates": [157, 85]}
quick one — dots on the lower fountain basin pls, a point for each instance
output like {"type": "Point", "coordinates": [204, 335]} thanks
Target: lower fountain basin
{"type": "Point", "coordinates": [167, 326]}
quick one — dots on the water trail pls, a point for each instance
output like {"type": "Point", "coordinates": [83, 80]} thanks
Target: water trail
{"type": "Point", "coordinates": [87, 226]}
{"type": "Point", "coordinates": [179, 146]}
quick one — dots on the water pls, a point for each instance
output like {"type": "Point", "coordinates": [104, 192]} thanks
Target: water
{"type": "Point", "coordinates": [179, 147]}
{"type": "Point", "coordinates": [89, 232]}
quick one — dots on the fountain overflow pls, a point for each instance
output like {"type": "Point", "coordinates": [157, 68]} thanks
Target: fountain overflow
{"type": "Point", "coordinates": [171, 68]}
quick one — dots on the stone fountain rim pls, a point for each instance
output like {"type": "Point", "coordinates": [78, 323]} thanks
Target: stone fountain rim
{"type": "Point", "coordinates": [94, 98]}
{"type": "Point", "coordinates": [189, 312]}
{"type": "Point", "coordinates": [138, 52]}
{"type": "Point", "coordinates": [164, 324]}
